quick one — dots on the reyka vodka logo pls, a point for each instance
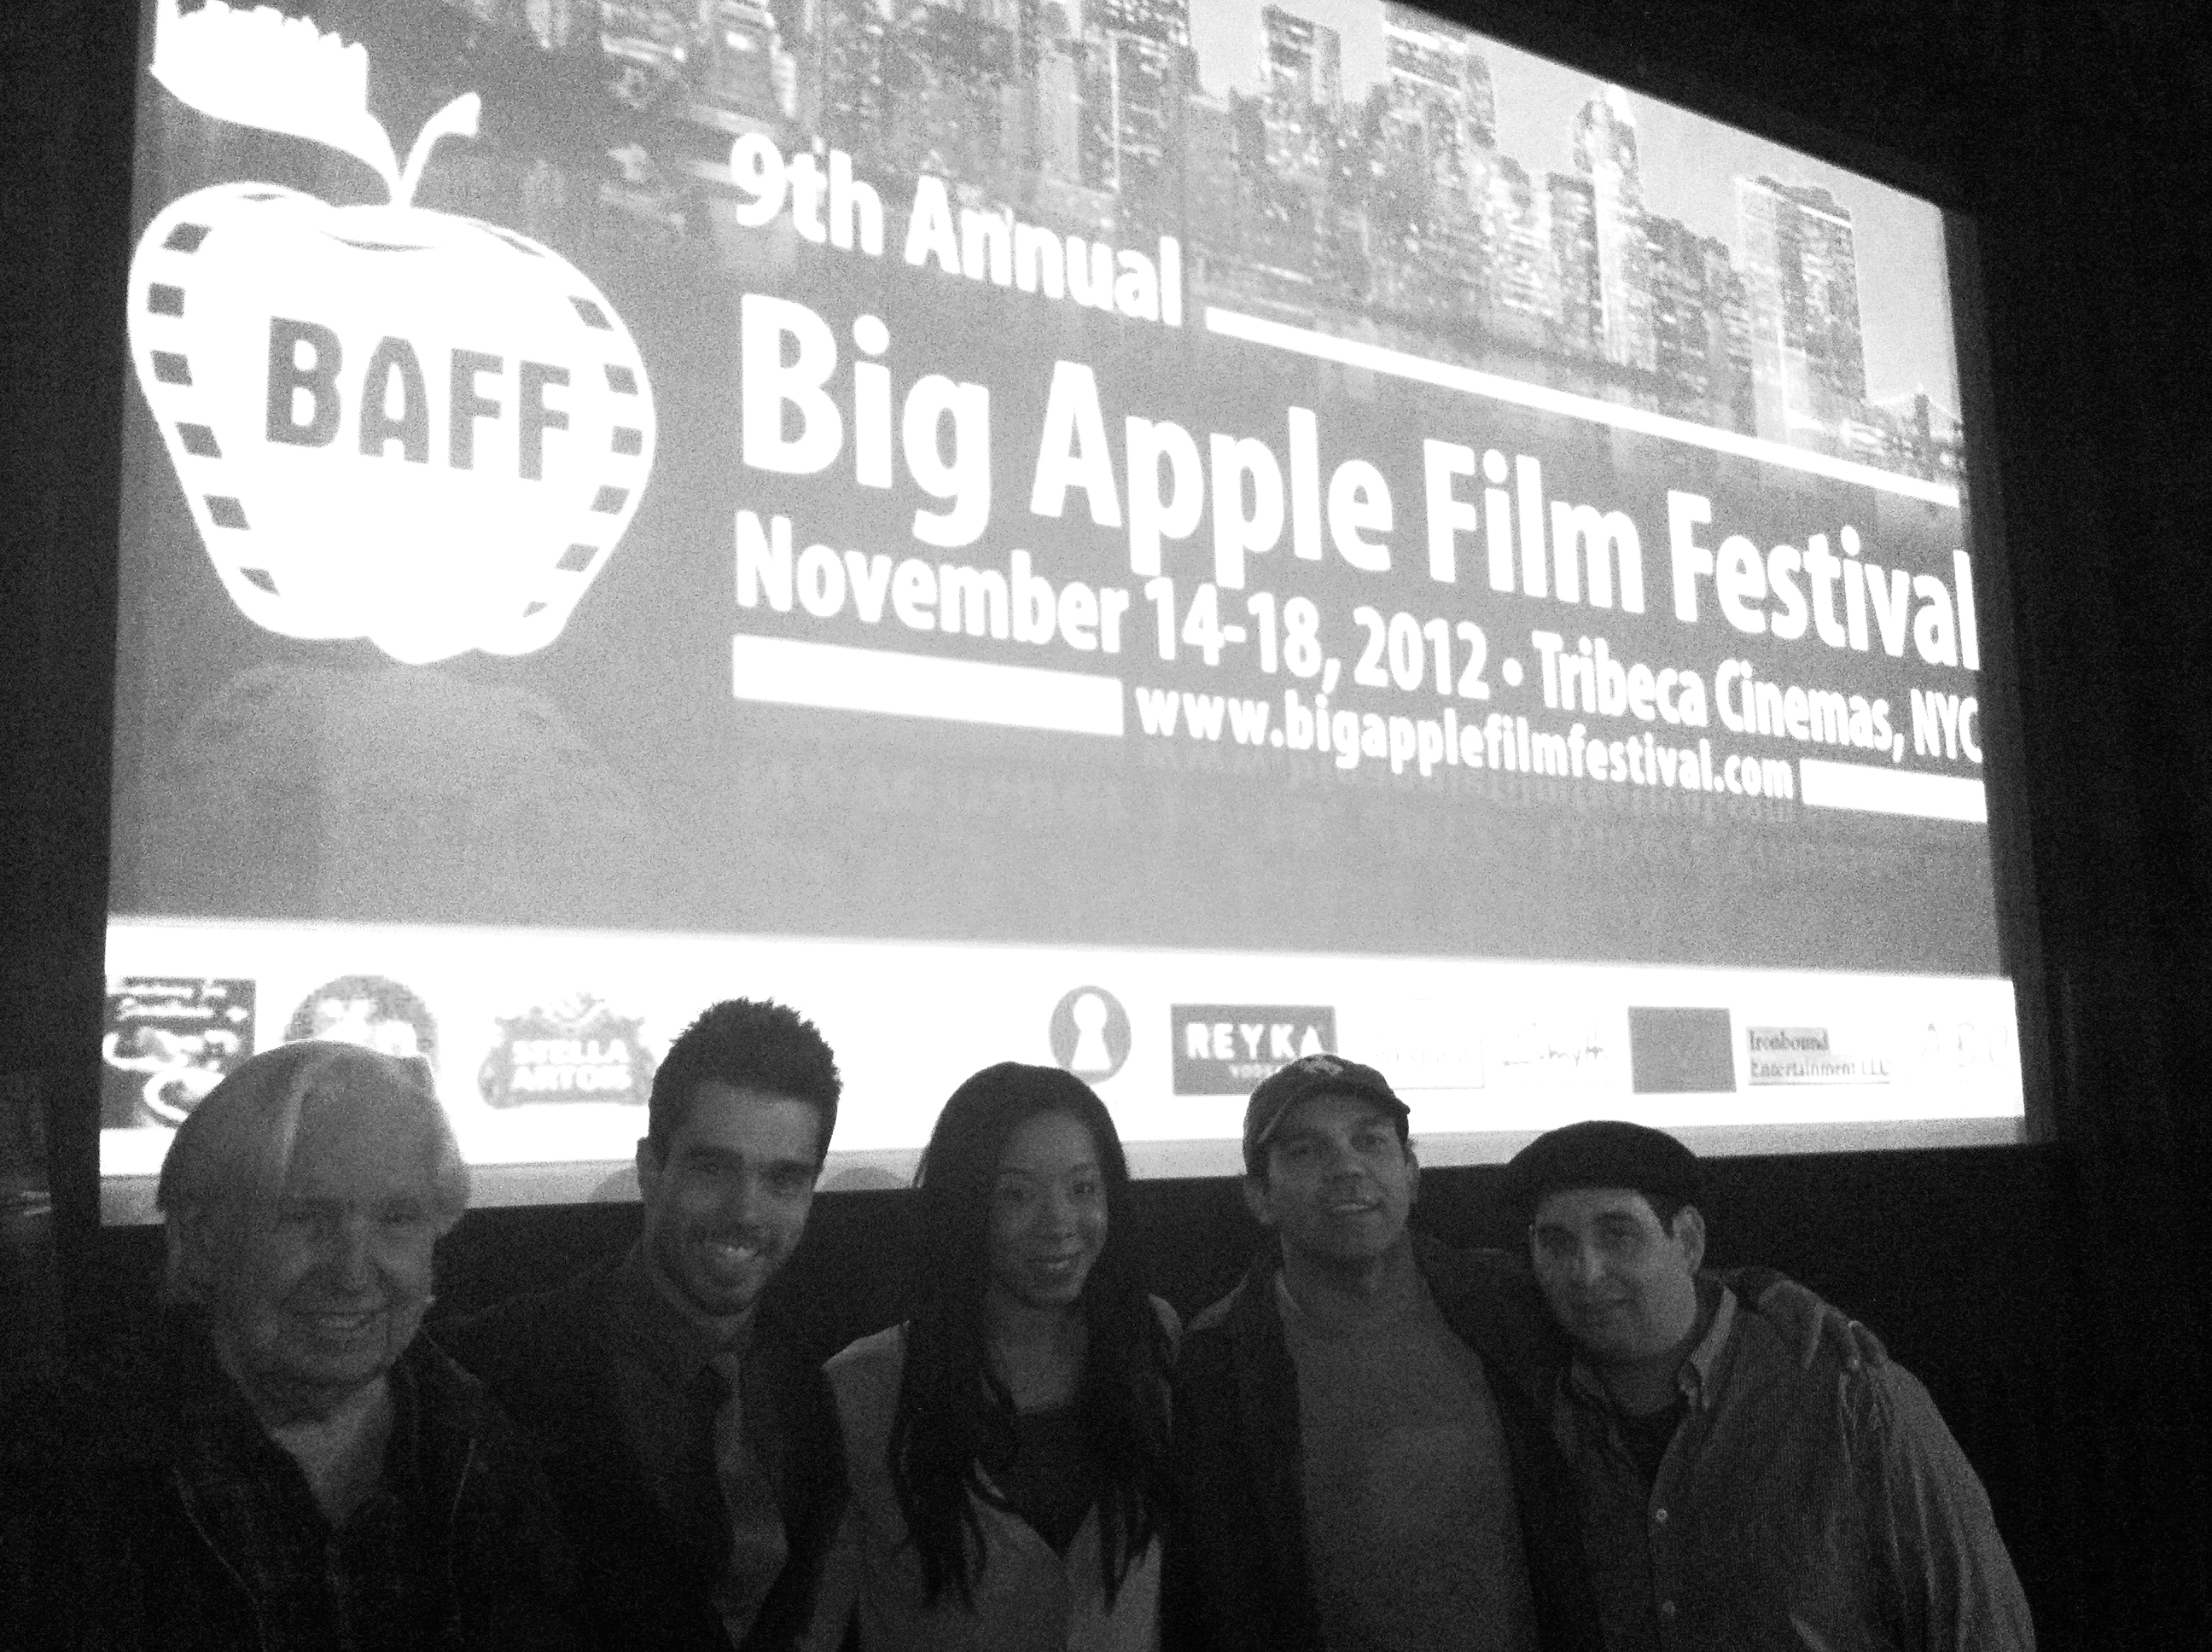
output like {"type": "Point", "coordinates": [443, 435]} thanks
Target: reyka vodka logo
{"type": "Point", "coordinates": [391, 422]}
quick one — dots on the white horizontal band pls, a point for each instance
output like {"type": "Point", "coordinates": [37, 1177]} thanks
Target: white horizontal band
{"type": "Point", "coordinates": [783, 672]}
{"type": "Point", "coordinates": [1824, 785]}
{"type": "Point", "coordinates": [1328, 347]}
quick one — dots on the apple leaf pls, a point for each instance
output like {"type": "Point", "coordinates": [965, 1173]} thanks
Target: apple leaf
{"type": "Point", "coordinates": [261, 69]}
{"type": "Point", "coordinates": [457, 119]}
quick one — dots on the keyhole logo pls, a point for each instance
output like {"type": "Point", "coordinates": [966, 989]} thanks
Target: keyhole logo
{"type": "Point", "coordinates": [1090, 1034]}
{"type": "Point", "coordinates": [389, 422]}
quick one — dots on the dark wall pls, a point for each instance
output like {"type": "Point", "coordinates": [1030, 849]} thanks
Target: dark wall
{"type": "Point", "coordinates": [2054, 1299]}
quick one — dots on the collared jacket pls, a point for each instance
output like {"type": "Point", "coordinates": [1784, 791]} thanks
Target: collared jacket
{"type": "Point", "coordinates": [1798, 1507]}
{"type": "Point", "coordinates": [142, 1505]}
{"type": "Point", "coordinates": [1240, 1579]}
{"type": "Point", "coordinates": [1027, 1597]}
{"type": "Point", "coordinates": [551, 1360]}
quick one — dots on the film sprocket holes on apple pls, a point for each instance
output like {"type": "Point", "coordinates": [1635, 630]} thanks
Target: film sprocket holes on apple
{"type": "Point", "coordinates": [1240, 504]}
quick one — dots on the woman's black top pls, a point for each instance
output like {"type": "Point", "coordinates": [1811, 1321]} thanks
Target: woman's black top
{"type": "Point", "coordinates": [1052, 1480]}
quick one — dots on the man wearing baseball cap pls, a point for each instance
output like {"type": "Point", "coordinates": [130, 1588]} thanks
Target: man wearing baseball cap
{"type": "Point", "coordinates": [1730, 1494]}
{"type": "Point", "coordinates": [1365, 1468]}
{"type": "Point", "coordinates": [1363, 1425]}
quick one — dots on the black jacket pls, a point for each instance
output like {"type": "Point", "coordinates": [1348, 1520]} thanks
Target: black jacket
{"type": "Point", "coordinates": [548, 1359]}
{"type": "Point", "coordinates": [121, 1526]}
{"type": "Point", "coordinates": [1239, 1579]}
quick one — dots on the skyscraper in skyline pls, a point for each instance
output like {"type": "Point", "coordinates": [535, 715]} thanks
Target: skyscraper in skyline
{"type": "Point", "coordinates": [1439, 89]}
{"type": "Point", "coordinates": [850, 46]}
{"type": "Point", "coordinates": [1605, 150]}
{"type": "Point", "coordinates": [1056, 121]}
{"type": "Point", "coordinates": [1524, 272]}
{"type": "Point", "coordinates": [1300, 60]}
{"type": "Point", "coordinates": [1138, 71]}
{"type": "Point", "coordinates": [945, 78]}
{"type": "Point", "coordinates": [1435, 132]}
{"type": "Point", "coordinates": [1575, 256]}
{"type": "Point", "coordinates": [1301, 89]}
{"type": "Point", "coordinates": [1801, 271]}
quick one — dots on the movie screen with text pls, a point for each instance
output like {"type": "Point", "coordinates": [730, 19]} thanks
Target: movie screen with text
{"type": "Point", "coordinates": [1155, 536]}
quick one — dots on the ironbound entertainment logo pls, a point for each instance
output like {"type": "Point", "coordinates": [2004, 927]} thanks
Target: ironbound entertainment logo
{"type": "Point", "coordinates": [1226, 1049]}
{"type": "Point", "coordinates": [1806, 1055]}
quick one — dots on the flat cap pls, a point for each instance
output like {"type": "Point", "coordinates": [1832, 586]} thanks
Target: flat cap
{"type": "Point", "coordinates": [1603, 1153]}
{"type": "Point", "coordinates": [1310, 1075]}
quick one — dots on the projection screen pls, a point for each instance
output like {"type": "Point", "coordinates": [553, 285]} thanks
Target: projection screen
{"type": "Point", "coordinates": [1155, 536]}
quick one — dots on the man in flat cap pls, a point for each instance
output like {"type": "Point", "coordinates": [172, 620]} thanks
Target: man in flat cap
{"type": "Point", "coordinates": [1362, 1427]}
{"type": "Point", "coordinates": [1730, 1495]}
{"type": "Point", "coordinates": [289, 1465]}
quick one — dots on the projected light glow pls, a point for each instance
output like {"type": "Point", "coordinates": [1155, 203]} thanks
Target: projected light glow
{"type": "Point", "coordinates": [1158, 537]}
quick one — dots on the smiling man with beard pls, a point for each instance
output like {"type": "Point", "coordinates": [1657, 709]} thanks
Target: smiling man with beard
{"type": "Point", "coordinates": [695, 1453]}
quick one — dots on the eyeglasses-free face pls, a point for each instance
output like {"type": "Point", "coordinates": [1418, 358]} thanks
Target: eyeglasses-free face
{"type": "Point", "coordinates": [1619, 1283]}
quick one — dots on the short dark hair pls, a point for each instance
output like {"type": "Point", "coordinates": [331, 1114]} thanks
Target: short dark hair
{"type": "Point", "coordinates": [749, 1044]}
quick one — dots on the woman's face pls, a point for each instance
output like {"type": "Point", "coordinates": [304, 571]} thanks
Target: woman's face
{"type": "Point", "coordinates": [1047, 1212]}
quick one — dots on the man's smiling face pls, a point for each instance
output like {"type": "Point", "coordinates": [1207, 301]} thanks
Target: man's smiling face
{"type": "Point", "coordinates": [727, 1202]}
{"type": "Point", "coordinates": [1340, 1179]}
{"type": "Point", "coordinates": [318, 1289]}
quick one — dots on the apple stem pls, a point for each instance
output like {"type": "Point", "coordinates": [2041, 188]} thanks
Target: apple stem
{"type": "Point", "coordinates": [457, 119]}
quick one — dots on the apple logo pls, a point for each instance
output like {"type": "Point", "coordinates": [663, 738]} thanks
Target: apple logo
{"type": "Point", "coordinates": [388, 421]}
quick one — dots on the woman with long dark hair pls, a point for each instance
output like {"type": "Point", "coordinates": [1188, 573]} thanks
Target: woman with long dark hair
{"type": "Point", "coordinates": [1007, 1444]}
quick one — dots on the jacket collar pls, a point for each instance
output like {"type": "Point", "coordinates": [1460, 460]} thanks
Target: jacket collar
{"type": "Point", "coordinates": [178, 1404]}
{"type": "Point", "coordinates": [1699, 1380]}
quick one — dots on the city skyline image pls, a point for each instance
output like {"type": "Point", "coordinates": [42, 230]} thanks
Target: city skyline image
{"type": "Point", "coordinates": [1337, 165]}
{"type": "Point", "coordinates": [1689, 163]}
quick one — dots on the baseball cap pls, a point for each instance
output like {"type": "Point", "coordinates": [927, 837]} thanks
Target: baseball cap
{"type": "Point", "coordinates": [1603, 1153]}
{"type": "Point", "coordinates": [1310, 1075]}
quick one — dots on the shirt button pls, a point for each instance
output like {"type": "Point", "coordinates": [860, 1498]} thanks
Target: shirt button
{"type": "Point", "coordinates": [1667, 1610]}
{"type": "Point", "coordinates": [1658, 1516]}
